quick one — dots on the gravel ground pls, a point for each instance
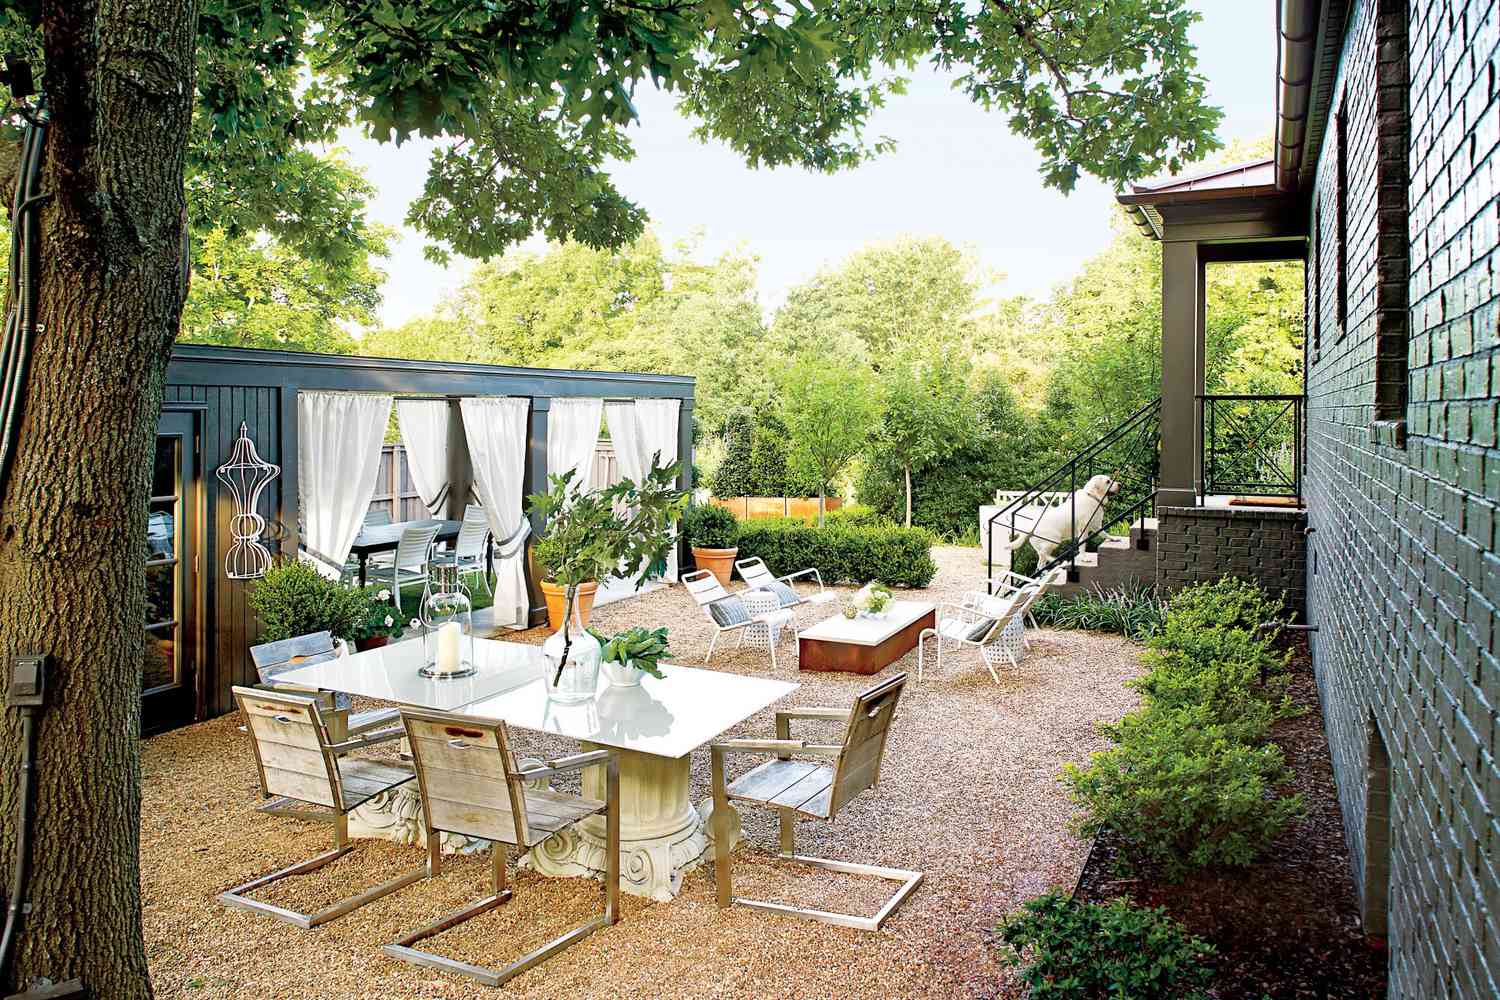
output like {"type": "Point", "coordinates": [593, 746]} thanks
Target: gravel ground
{"type": "Point", "coordinates": [968, 795]}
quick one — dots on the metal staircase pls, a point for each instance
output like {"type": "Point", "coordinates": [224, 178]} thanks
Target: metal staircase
{"type": "Point", "coordinates": [1130, 455]}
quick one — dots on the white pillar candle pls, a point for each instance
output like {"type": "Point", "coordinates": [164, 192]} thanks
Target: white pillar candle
{"type": "Point", "coordinates": [448, 657]}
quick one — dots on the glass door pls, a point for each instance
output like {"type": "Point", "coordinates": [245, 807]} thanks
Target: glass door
{"type": "Point", "coordinates": [167, 682]}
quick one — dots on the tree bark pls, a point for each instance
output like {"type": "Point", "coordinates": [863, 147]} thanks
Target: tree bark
{"type": "Point", "coordinates": [906, 470]}
{"type": "Point", "coordinates": [119, 88]}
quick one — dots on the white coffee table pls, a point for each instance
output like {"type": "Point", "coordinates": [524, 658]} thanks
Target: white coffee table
{"type": "Point", "coordinates": [865, 645]}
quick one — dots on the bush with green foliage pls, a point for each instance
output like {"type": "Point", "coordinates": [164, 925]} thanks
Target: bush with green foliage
{"type": "Point", "coordinates": [1067, 950]}
{"type": "Point", "coordinates": [295, 599]}
{"type": "Point", "coordinates": [856, 516]}
{"type": "Point", "coordinates": [1134, 612]}
{"type": "Point", "coordinates": [901, 557]}
{"type": "Point", "coordinates": [1192, 780]}
{"type": "Point", "coordinates": [709, 526]}
{"type": "Point", "coordinates": [1184, 791]}
{"type": "Point", "coordinates": [755, 460]}
{"type": "Point", "coordinates": [733, 477]}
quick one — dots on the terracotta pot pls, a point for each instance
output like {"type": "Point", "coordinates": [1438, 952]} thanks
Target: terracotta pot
{"type": "Point", "coordinates": [371, 642]}
{"type": "Point", "coordinates": [557, 602]}
{"type": "Point", "coordinates": [719, 562]}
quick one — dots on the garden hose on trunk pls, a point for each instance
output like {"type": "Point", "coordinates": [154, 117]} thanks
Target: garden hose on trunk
{"type": "Point", "coordinates": [20, 319]}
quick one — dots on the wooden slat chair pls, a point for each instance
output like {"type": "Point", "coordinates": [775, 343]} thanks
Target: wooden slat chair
{"type": "Point", "coordinates": [998, 633]}
{"type": "Point", "coordinates": [726, 611]}
{"type": "Point", "coordinates": [818, 791]}
{"type": "Point", "coordinates": [758, 576]}
{"type": "Point", "coordinates": [297, 759]}
{"type": "Point", "coordinates": [472, 784]}
{"type": "Point", "coordinates": [275, 658]}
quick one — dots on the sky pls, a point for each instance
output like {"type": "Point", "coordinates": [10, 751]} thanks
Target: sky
{"type": "Point", "coordinates": [956, 172]}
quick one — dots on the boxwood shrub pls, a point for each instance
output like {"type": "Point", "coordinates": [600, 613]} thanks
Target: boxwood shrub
{"type": "Point", "coordinates": [901, 557]}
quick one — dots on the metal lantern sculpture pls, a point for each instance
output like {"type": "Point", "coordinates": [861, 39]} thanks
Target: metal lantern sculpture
{"type": "Point", "coordinates": [448, 631]}
{"type": "Point", "coordinates": [246, 475]}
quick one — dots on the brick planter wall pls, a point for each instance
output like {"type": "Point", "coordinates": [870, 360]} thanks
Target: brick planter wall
{"type": "Point", "coordinates": [1202, 544]}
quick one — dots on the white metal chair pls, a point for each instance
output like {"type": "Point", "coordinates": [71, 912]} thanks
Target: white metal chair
{"type": "Point", "coordinates": [470, 551]}
{"type": "Point", "coordinates": [997, 637]}
{"type": "Point", "coordinates": [413, 558]}
{"type": "Point", "coordinates": [758, 576]}
{"type": "Point", "coordinates": [472, 784]}
{"type": "Point", "coordinates": [728, 612]}
{"type": "Point", "coordinates": [794, 787]}
{"type": "Point", "coordinates": [298, 759]}
{"type": "Point", "coordinates": [1000, 588]}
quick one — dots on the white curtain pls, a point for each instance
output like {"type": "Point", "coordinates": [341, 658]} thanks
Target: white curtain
{"type": "Point", "coordinates": [572, 435]}
{"type": "Point", "coordinates": [424, 432]}
{"type": "Point", "coordinates": [339, 436]}
{"type": "Point", "coordinates": [625, 435]}
{"type": "Point", "coordinates": [496, 429]}
{"type": "Point", "coordinates": [657, 420]}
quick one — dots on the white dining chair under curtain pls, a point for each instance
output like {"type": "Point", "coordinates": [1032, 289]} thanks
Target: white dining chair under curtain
{"type": "Point", "coordinates": [657, 420]}
{"type": "Point", "coordinates": [572, 436]}
{"type": "Point", "coordinates": [496, 429]}
{"type": "Point", "coordinates": [339, 437]}
{"type": "Point", "coordinates": [424, 432]}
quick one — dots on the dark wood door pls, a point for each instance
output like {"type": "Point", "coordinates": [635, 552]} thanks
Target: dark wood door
{"type": "Point", "coordinates": [173, 605]}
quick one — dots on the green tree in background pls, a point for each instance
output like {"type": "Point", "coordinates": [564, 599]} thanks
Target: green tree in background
{"type": "Point", "coordinates": [830, 406]}
{"type": "Point", "coordinates": [926, 412]}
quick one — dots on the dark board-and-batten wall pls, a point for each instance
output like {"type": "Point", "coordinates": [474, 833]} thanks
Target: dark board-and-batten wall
{"type": "Point", "coordinates": [223, 387]}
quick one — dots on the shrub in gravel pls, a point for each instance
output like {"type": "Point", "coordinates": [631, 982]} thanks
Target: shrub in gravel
{"type": "Point", "coordinates": [1134, 612]}
{"type": "Point", "coordinates": [901, 557]}
{"type": "Point", "coordinates": [1093, 951]}
{"type": "Point", "coordinates": [1184, 791]}
{"type": "Point", "coordinates": [1227, 603]}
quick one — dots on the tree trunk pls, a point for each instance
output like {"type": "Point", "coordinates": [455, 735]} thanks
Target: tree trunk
{"type": "Point", "coordinates": [119, 87]}
{"type": "Point", "coordinates": [906, 470]}
{"type": "Point", "coordinates": [821, 502]}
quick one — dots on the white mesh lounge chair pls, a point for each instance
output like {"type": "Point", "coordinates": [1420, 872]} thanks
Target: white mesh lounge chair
{"type": "Point", "coordinates": [1000, 588]}
{"type": "Point", "coordinates": [469, 551]}
{"type": "Point", "coordinates": [728, 613]}
{"type": "Point", "coordinates": [817, 791]}
{"type": "Point", "coordinates": [998, 637]}
{"type": "Point", "coordinates": [758, 576]}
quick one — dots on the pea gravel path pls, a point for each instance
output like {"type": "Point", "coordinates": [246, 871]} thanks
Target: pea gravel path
{"type": "Point", "coordinates": [968, 795]}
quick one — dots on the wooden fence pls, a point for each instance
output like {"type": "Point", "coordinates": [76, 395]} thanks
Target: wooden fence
{"type": "Point", "coordinates": [803, 507]}
{"type": "Point", "coordinates": [395, 494]}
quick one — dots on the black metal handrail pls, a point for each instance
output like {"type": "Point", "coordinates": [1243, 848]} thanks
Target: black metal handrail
{"type": "Point", "coordinates": [1252, 444]}
{"type": "Point", "coordinates": [1135, 474]}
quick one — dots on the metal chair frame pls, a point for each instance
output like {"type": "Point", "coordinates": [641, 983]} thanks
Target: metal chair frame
{"type": "Point", "coordinates": [1006, 636]}
{"type": "Point", "coordinates": [469, 550]}
{"type": "Point", "coordinates": [414, 557]}
{"type": "Point", "coordinates": [298, 720]}
{"type": "Point", "coordinates": [855, 767]}
{"type": "Point", "coordinates": [452, 740]}
{"type": "Point", "coordinates": [706, 589]}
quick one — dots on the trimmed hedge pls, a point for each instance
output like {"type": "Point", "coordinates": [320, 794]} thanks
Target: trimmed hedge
{"type": "Point", "coordinates": [900, 557]}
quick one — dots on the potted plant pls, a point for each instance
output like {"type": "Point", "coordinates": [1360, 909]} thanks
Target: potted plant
{"type": "Point", "coordinates": [294, 599]}
{"type": "Point", "coordinates": [712, 532]}
{"type": "Point", "coordinates": [625, 529]}
{"type": "Point", "coordinates": [381, 622]}
{"type": "Point", "coordinates": [551, 560]}
{"type": "Point", "coordinates": [629, 655]}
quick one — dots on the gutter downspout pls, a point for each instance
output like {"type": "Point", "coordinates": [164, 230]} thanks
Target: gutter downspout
{"type": "Point", "coordinates": [1297, 30]}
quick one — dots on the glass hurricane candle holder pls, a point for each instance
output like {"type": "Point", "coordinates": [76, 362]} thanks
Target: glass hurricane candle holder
{"type": "Point", "coordinates": [448, 633]}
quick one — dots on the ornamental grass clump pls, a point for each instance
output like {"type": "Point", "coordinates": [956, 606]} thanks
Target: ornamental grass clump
{"type": "Point", "coordinates": [1067, 950]}
{"type": "Point", "coordinates": [1192, 779]}
{"type": "Point", "coordinates": [1134, 612]}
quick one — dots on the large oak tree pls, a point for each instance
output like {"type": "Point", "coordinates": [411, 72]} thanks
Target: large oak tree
{"type": "Point", "coordinates": [167, 114]}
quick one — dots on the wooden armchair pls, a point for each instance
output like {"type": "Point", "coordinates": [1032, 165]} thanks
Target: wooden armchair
{"type": "Point", "coordinates": [297, 760]}
{"type": "Point", "coordinates": [473, 784]}
{"type": "Point", "coordinates": [818, 791]}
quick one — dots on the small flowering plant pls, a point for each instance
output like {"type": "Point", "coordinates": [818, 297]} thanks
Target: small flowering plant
{"type": "Point", "coordinates": [870, 601]}
{"type": "Point", "coordinates": [381, 619]}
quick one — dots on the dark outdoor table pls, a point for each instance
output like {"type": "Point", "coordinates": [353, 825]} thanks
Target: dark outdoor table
{"type": "Point", "coordinates": [385, 538]}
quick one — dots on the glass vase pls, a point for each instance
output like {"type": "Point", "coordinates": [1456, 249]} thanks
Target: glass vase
{"type": "Point", "coordinates": [577, 679]}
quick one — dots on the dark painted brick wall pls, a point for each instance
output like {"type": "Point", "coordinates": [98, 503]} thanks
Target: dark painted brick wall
{"type": "Point", "coordinates": [1203, 544]}
{"type": "Point", "coordinates": [1404, 580]}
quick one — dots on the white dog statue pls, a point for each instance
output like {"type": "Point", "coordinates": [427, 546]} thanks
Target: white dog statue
{"type": "Point", "coordinates": [1086, 510]}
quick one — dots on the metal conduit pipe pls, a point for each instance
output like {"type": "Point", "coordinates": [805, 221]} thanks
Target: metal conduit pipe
{"type": "Point", "coordinates": [20, 321]}
{"type": "Point", "coordinates": [1297, 28]}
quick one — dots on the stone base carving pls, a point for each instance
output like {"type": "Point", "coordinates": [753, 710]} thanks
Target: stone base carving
{"type": "Point", "coordinates": [661, 834]}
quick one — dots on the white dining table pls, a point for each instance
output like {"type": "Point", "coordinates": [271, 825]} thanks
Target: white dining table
{"type": "Point", "coordinates": [654, 726]}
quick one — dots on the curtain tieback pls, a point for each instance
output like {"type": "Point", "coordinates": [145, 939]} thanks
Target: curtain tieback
{"type": "Point", "coordinates": [517, 541]}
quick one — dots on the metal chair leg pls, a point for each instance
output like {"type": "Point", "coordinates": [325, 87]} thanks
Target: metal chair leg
{"type": "Point", "coordinates": [712, 643]}
{"type": "Point", "coordinates": [720, 820]}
